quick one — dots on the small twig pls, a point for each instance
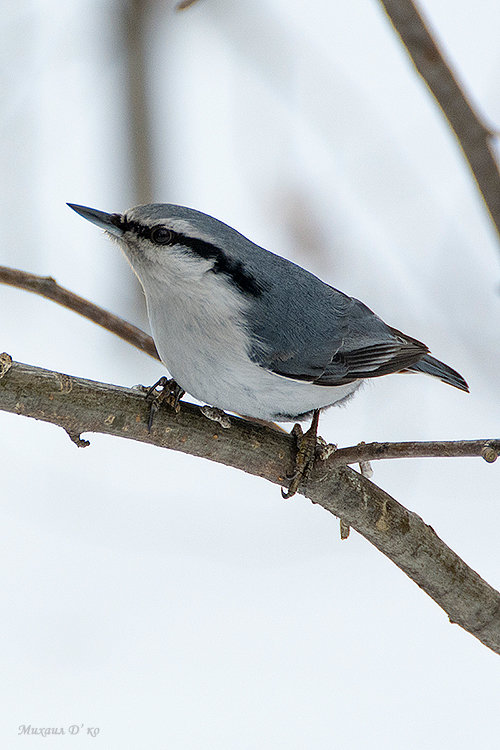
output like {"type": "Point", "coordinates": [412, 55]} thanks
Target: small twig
{"type": "Point", "coordinates": [488, 448]}
{"type": "Point", "coordinates": [472, 134]}
{"type": "Point", "coordinates": [77, 439]}
{"type": "Point", "coordinates": [345, 530]}
{"type": "Point", "coordinates": [46, 286]}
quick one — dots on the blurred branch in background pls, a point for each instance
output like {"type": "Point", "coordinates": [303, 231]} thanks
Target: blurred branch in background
{"type": "Point", "coordinates": [138, 129]}
{"type": "Point", "coordinates": [79, 406]}
{"type": "Point", "coordinates": [184, 4]}
{"type": "Point", "coordinates": [47, 287]}
{"type": "Point", "coordinates": [472, 134]}
{"type": "Point", "coordinates": [138, 118]}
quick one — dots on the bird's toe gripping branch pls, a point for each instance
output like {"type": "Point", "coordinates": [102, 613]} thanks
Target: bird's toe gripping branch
{"type": "Point", "coordinates": [170, 394]}
{"type": "Point", "coordinates": [306, 453]}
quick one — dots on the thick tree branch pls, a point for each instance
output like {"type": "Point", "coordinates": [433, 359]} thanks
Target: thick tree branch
{"type": "Point", "coordinates": [472, 134]}
{"type": "Point", "coordinates": [79, 406]}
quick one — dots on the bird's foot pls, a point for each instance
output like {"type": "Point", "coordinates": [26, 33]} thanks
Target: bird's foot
{"type": "Point", "coordinates": [170, 394]}
{"type": "Point", "coordinates": [307, 443]}
{"type": "Point", "coordinates": [216, 415]}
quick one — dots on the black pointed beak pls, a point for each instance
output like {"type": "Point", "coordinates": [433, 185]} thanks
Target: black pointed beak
{"type": "Point", "coordinates": [109, 222]}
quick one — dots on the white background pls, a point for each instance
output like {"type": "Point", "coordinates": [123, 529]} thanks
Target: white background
{"type": "Point", "coordinates": [171, 602]}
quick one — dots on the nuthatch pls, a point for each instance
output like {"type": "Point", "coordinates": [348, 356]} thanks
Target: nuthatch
{"type": "Point", "coordinates": [247, 331]}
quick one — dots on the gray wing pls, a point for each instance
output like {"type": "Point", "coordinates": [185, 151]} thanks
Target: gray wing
{"type": "Point", "coordinates": [350, 363]}
{"type": "Point", "coordinates": [320, 335]}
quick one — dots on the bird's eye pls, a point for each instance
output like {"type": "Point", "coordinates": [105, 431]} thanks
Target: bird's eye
{"type": "Point", "coordinates": [161, 235]}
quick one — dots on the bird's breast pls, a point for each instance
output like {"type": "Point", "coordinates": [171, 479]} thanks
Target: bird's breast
{"type": "Point", "coordinates": [202, 338]}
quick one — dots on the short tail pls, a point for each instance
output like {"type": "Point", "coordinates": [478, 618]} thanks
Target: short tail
{"type": "Point", "coordinates": [431, 366]}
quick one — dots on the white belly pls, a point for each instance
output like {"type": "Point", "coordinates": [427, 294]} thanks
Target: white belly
{"type": "Point", "coordinates": [223, 381]}
{"type": "Point", "coordinates": [200, 340]}
{"type": "Point", "coordinates": [247, 389]}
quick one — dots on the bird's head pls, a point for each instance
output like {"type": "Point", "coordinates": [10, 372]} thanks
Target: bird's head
{"type": "Point", "coordinates": [165, 244]}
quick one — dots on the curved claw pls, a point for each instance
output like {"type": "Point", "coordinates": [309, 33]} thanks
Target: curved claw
{"type": "Point", "coordinates": [292, 487]}
{"type": "Point", "coordinates": [171, 393]}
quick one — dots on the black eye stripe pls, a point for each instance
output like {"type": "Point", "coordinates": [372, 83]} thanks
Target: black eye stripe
{"type": "Point", "coordinates": [158, 234]}
{"type": "Point", "coordinates": [234, 270]}
{"type": "Point", "coordinates": [141, 230]}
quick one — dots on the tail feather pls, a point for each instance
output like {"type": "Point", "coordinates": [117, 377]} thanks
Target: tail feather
{"type": "Point", "coordinates": [432, 366]}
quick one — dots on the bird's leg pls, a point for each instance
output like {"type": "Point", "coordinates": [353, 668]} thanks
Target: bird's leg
{"type": "Point", "coordinates": [306, 453]}
{"type": "Point", "coordinates": [170, 394]}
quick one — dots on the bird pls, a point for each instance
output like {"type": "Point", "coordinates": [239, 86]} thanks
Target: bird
{"type": "Point", "coordinates": [247, 331]}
